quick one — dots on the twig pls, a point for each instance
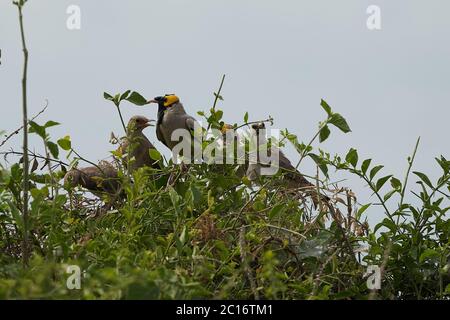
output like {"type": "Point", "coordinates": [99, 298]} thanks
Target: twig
{"type": "Point", "coordinates": [121, 118]}
{"type": "Point", "coordinates": [218, 92]}
{"type": "Point", "coordinates": [254, 122]}
{"type": "Point", "coordinates": [409, 170]}
{"type": "Point", "coordinates": [405, 182]}
{"type": "Point", "coordinates": [34, 155]}
{"type": "Point", "coordinates": [247, 270]}
{"type": "Point", "coordinates": [217, 95]}
{"type": "Point", "coordinates": [21, 127]}
{"type": "Point", "coordinates": [305, 151]}
{"type": "Point", "coordinates": [25, 246]}
{"type": "Point", "coordinates": [286, 230]}
{"type": "Point", "coordinates": [246, 204]}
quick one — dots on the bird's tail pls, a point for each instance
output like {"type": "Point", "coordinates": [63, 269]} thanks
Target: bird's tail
{"type": "Point", "coordinates": [309, 189]}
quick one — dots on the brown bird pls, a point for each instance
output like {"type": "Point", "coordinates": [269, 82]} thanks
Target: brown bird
{"type": "Point", "coordinates": [136, 146]}
{"type": "Point", "coordinates": [104, 177]}
{"type": "Point", "coordinates": [97, 179]}
{"type": "Point", "coordinates": [293, 178]}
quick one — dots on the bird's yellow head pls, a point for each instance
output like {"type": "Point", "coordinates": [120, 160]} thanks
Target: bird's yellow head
{"type": "Point", "coordinates": [226, 127]}
{"type": "Point", "coordinates": [167, 101]}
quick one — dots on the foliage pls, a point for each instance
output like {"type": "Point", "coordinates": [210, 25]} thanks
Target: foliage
{"type": "Point", "coordinates": [209, 234]}
{"type": "Point", "coordinates": [206, 232]}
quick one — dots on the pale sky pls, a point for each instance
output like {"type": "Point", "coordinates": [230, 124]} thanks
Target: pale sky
{"type": "Point", "coordinates": [280, 59]}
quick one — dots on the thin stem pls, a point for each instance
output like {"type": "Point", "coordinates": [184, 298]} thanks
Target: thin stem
{"type": "Point", "coordinates": [305, 151]}
{"type": "Point", "coordinates": [405, 182]}
{"type": "Point", "coordinates": [408, 171]}
{"type": "Point", "coordinates": [25, 247]}
{"type": "Point", "coordinates": [253, 122]}
{"type": "Point", "coordinates": [52, 176]}
{"type": "Point", "coordinates": [382, 202]}
{"type": "Point", "coordinates": [121, 119]}
{"type": "Point", "coordinates": [217, 95]}
{"type": "Point", "coordinates": [34, 155]}
{"type": "Point", "coordinates": [244, 261]}
{"type": "Point", "coordinates": [21, 127]}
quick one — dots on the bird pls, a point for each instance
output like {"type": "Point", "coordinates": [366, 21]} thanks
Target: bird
{"type": "Point", "coordinates": [104, 177]}
{"type": "Point", "coordinates": [234, 149]}
{"type": "Point", "coordinates": [293, 178]}
{"type": "Point", "coordinates": [99, 179]}
{"type": "Point", "coordinates": [171, 117]}
{"type": "Point", "coordinates": [136, 146]}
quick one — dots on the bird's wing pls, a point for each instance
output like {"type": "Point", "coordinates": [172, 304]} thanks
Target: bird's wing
{"type": "Point", "coordinates": [190, 123]}
{"type": "Point", "coordinates": [194, 127]}
{"type": "Point", "coordinates": [285, 163]}
{"type": "Point", "coordinates": [160, 136]}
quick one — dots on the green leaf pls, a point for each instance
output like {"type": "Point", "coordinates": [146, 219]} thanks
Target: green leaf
{"type": "Point", "coordinates": [388, 195]}
{"type": "Point", "coordinates": [65, 143]}
{"type": "Point", "coordinates": [337, 120]}
{"type": "Point", "coordinates": [154, 154]}
{"type": "Point", "coordinates": [445, 165]}
{"type": "Point", "coordinates": [324, 133]}
{"type": "Point", "coordinates": [396, 184]}
{"type": "Point", "coordinates": [196, 194]}
{"type": "Point", "coordinates": [381, 182]}
{"type": "Point", "coordinates": [386, 223]}
{"type": "Point", "coordinates": [54, 150]}
{"type": "Point", "coordinates": [183, 236]}
{"type": "Point", "coordinates": [365, 165]}
{"type": "Point", "coordinates": [15, 214]}
{"type": "Point", "coordinates": [246, 117]}
{"type": "Point", "coordinates": [174, 197]}
{"type": "Point", "coordinates": [51, 123]}
{"type": "Point", "coordinates": [107, 96]}
{"type": "Point", "coordinates": [219, 115]}
{"type": "Point", "coordinates": [218, 96]}
{"type": "Point", "coordinates": [276, 210]}
{"type": "Point", "coordinates": [447, 289]}
{"type": "Point", "coordinates": [39, 130]}
{"type": "Point", "coordinates": [320, 162]}
{"type": "Point", "coordinates": [34, 166]}
{"type": "Point", "coordinates": [258, 205]}
{"type": "Point", "coordinates": [326, 107]}
{"type": "Point", "coordinates": [361, 210]}
{"type": "Point", "coordinates": [374, 171]}
{"type": "Point", "coordinates": [136, 99]}
{"type": "Point", "coordinates": [352, 157]}
{"type": "Point", "coordinates": [428, 254]}
{"type": "Point", "coordinates": [124, 95]}
{"type": "Point", "coordinates": [424, 178]}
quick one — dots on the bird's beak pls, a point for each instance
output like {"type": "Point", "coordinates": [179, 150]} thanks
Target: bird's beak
{"type": "Point", "coordinates": [149, 123]}
{"type": "Point", "coordinates": [152, 101]}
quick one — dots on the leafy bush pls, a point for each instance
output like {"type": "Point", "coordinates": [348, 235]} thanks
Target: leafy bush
{"type": "Point", "coordinates": [210, 234]}
{"type": "Point", "coordinates": [205, 232]}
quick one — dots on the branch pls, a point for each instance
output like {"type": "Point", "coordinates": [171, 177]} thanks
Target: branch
{"type": "Point", "coordinates": [34, 155]}
{"type": "Point", "coordinates": [244, 261]}
{"type": "Point", "coordinates": [21, 127]}
{"type": "Point", "coordinates": [216, 99]}
{"type": "Point", "coordinates": [25, 246]}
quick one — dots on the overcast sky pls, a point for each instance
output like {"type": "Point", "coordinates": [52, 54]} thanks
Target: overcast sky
{"type": "Point", "coordinates": [280, 59]}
